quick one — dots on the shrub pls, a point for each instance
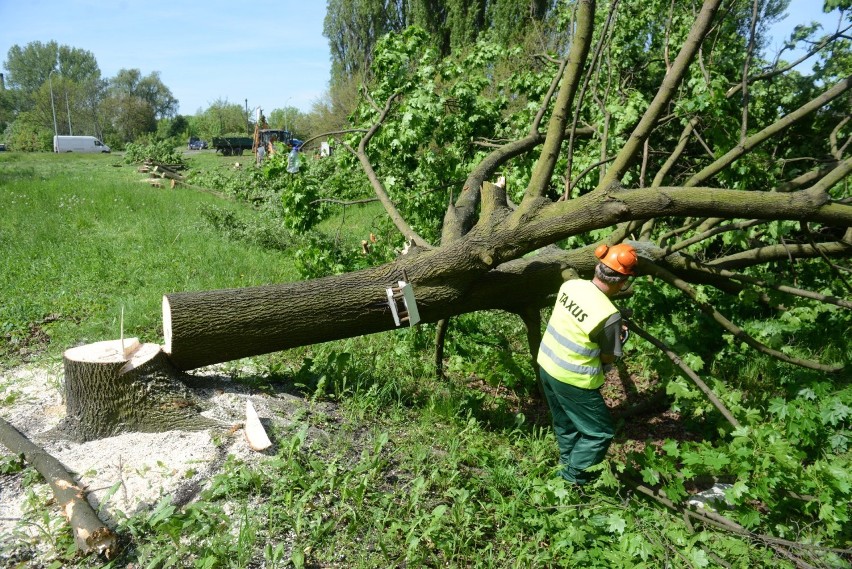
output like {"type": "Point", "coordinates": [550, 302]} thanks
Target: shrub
{"type": "Point", "coordinates": [163, 152]}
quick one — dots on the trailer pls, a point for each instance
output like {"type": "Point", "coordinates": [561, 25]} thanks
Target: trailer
{"type": "Point", "coordinates": [232, 145]}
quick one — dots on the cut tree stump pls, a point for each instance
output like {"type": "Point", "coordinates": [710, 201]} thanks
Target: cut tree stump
{"type": "Point", "coordinates": [123, 386]}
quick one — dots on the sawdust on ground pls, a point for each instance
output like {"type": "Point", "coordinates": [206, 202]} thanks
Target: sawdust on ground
{"type": "Point", "coordinates": [130, 472]}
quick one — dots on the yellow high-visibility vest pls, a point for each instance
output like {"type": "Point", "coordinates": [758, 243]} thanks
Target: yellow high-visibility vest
{"type": "Point", "coordinates": [566, 352]}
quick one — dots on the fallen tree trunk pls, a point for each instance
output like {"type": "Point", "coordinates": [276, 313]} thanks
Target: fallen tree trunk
{"type": "Point", "coordinates": [203, 328]}
{"type": "Point", "coordinates": [467, 275]}
{"type": "Point", "coordinates": [90, 534]}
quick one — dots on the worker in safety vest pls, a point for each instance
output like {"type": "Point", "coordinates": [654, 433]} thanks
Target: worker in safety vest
{"type": "Point", "coordinates": [582, 340]}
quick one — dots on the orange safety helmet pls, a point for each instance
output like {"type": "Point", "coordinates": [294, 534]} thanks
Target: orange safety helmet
{"type": "Point", "coordinates": [621, 258]}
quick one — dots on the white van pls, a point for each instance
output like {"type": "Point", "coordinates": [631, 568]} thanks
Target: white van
{"type": "Point", "coordinates": [78, 144]}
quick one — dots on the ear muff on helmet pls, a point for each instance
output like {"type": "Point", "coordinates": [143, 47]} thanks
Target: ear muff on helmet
{"type": "Point", "coordinates": [621, 258]}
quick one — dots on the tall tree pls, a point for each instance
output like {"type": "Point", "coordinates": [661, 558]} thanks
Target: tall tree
{"type": "Point", "coordinates": [148, 88]}
{"type": "Point", "coordinates": [48, 79]}
{"type": "Point", "coordinates": [352, 28]}
{"type": "Point", "coordinates": [32, 66]}
{"type": "Point", "coordinates": [221, 117]}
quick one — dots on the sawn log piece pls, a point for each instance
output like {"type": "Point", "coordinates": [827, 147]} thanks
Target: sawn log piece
{"type": "Point", "coordinates": [90, 533]}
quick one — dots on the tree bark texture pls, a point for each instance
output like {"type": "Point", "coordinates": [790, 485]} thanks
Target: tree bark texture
{"type": "Point", "coordinates": [109, 390]}
{"type": "Point", "coordinates": [90, 533]}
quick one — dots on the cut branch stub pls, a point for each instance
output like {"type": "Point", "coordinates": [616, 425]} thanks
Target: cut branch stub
{"type": "Point", "coordinates": [121, 385]}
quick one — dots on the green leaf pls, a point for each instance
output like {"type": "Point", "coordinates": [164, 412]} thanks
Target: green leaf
{"type": "Point", "coordinates": [835, 413]}
{"type": "Point", "coordinates": [778, 407]}
{"type": "Point", "coordinates": [839, 442]}
{"type": "Point", "coordinates": [650, 476]}
{"type": "Point", "coordinates": [298, 558]}
{"type": "Point", "coordinates": [680, 389]}
{"type": "Point", "coordinates": [694, 361]}
{"type": "Point", "coordinates": [616, 524]}
{"type": "Point", "coordinates": [807, 393]}
{"type": "Point", "coordinates": [738, 490]}
{"type": "Point", "coordinates": [671, 448]}
{"type": "Point", "coordinates": [690, 458]}
{"type": "Point", "coordinates": [699, 557]}
{"type": "Point", "coordinates": [750, 519]}
{"type": "Point", "coordinates": [716, 460]}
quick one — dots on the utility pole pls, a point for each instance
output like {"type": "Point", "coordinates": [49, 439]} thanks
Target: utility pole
{"type": "Point", "coordinates": [68, 110]}
{"type": "Point", "coordinates": [52, 105]}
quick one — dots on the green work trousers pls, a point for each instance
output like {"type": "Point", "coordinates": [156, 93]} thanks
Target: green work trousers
{"type": "Point", "coordinates": [582, 424]}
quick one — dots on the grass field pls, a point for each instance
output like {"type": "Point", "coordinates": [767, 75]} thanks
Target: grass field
{"type": "Point", "coordinates": [83, 238]}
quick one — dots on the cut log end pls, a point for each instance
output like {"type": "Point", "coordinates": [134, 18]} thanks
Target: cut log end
{"type": "Point", "coordinates": [167, 325]}
{"type": "Point", "coordinates": [106, 352]}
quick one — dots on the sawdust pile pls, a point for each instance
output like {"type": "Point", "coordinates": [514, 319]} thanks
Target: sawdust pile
{"type": "Point", "coordinates": [131, 472]}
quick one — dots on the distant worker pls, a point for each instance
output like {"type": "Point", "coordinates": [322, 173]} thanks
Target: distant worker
{"type": "Point", "coordinates": [582, 340]}
{"type": "Point", "coordinates": [261, 153]}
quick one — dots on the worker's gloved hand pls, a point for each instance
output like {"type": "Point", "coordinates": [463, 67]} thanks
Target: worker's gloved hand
{"type": "Point", "coordinates": [625, 334]}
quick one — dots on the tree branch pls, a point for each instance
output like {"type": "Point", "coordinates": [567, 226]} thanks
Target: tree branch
{"type": "Point", "coordinates": [578, 105]}
{"type": "Point", "coordinates": [559, 118]}
{"type": "Point", "coordinates": [545, 103]}
{"type": "Point", "coordinates": [711, 233]}
{"type": "Point", "coordinates": [828, 299]}
{"type": "Point", "coordinates": [709, 310]}
{"type": "Point", "coordinates": [720, 522]}
{"type": "Point", "coordinates": [90, 533]}
{"type": "Point", "coordinates": [837, 151]}
{"type": "Point", "coordinates": [754, 140]}
{"type": "Point", "coordinates": [746, 63]}
{"type": "Point", "coordinates": [775, 72]}
{"type": "Point", "coordinates": [778, 253]}
{"type": "Point", "coordinates": [687, 371]}
{"type": "Point", "coordinates": [664, 95]}
{"type": "Point", "coordinates": [396, 217]}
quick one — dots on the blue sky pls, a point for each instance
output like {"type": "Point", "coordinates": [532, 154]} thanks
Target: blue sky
{"type": "Point", "coordinates": [272, 53]}
{"type": "Point", "coordinates": [801, 12]}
